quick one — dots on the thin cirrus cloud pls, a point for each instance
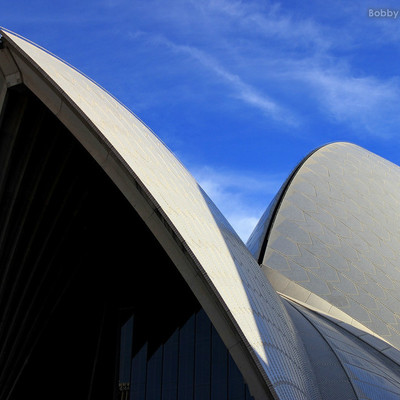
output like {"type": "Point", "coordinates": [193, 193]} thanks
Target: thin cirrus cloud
{"type": "Point", "coordinates": [240, 89]}
{"type": "Point", "coordinates": [242, 198]}
{"type": "Point", "coordinates": [290, 49]}
{"type": "Point", "coordinates": [257, 48]}
{"type": "Point", "coordinates": [366, 104]}
{"type": "Point", "coordinates": [265, 20]}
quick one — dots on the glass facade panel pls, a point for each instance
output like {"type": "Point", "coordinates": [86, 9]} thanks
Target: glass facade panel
{"type": "Point", "coordinates": [186, 360]}
{"type": "Point", "coordinates": [138, 375]}
{"type": "Point", "coordinates": [170, 368]}
{"type": "Point", "coordinates": [154, 375]}
{"type": "Point", "coordinates": [125, 358]}
{"type": "Point", "coordinates": [202, 376]}
{"type": "Point", "coordinates": [236, 387]}
{"type": "Point", "coordinates": [219, 368]}
{"type": "Point", "coordinates": [192, 364]}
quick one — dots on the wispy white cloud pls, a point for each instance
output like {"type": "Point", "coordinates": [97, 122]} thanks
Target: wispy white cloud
{"type": "Point", "coordinates": [241, 198]}
{"type": "Point", "coordinates": [290, 65]}
{"type": "Point", "coordinates": [364, 102]}
{"type": "Point", "coordinates": [268, 20]}
{"type": "Point", "coordinates": [299, 50]}
{"type": "Point", "coordinates": [367, 104]}
{"type": "Point", "coordinates": [240, 89]}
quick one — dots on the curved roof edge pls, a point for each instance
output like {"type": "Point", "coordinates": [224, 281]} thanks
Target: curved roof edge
{"type": "Point", "coordinates": [208, 253]}
{"type": "Point", "coordinates": [258, 240]}
{"type": "Point", "coordinates": [298, 294]}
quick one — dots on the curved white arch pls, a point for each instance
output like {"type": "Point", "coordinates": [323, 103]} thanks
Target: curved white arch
{"type": "Point", "coordinates": [225, 278]}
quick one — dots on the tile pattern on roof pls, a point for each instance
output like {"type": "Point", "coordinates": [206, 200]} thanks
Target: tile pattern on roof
{"type": "Point", "coordinates": [372, 375]}
{"type": "Point", "coordinates": [337, 234]}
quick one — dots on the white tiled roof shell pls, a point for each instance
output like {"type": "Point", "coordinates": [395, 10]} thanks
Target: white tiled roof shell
{"type": "Point", "coordinates": [346, 367]}
{"type": "Point", "coordinates": [337, 234]}
{"type": "Point", "coordinates": [230, 270]}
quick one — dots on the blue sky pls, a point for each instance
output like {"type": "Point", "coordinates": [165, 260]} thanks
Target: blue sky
{"type": "Point", "coordinates": [240, 91]}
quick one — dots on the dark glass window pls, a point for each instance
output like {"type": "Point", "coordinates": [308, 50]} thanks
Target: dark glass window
{"type": "Point", "coordinates": [202, 357]}
{"type": "Point", "coordinates": [236, 387]}
{"type": "Point", "coordinates": [192, 364]}
{"type": "Point", "coordinates": [125, 354]}
{"type": "Point", "coordinates": [219, 368]}
{"type": "Point", "coordinates": [170, 368]}
{"type": "Point", "coordinates": [154, 375]}
{"type": "Point", "coordinates": [186, 360]}
{"type": "Point", "coordinates": [138, 375]}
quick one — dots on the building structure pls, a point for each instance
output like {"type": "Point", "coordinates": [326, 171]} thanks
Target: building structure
{"type": "Point", "coordinates": [121, 279]}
